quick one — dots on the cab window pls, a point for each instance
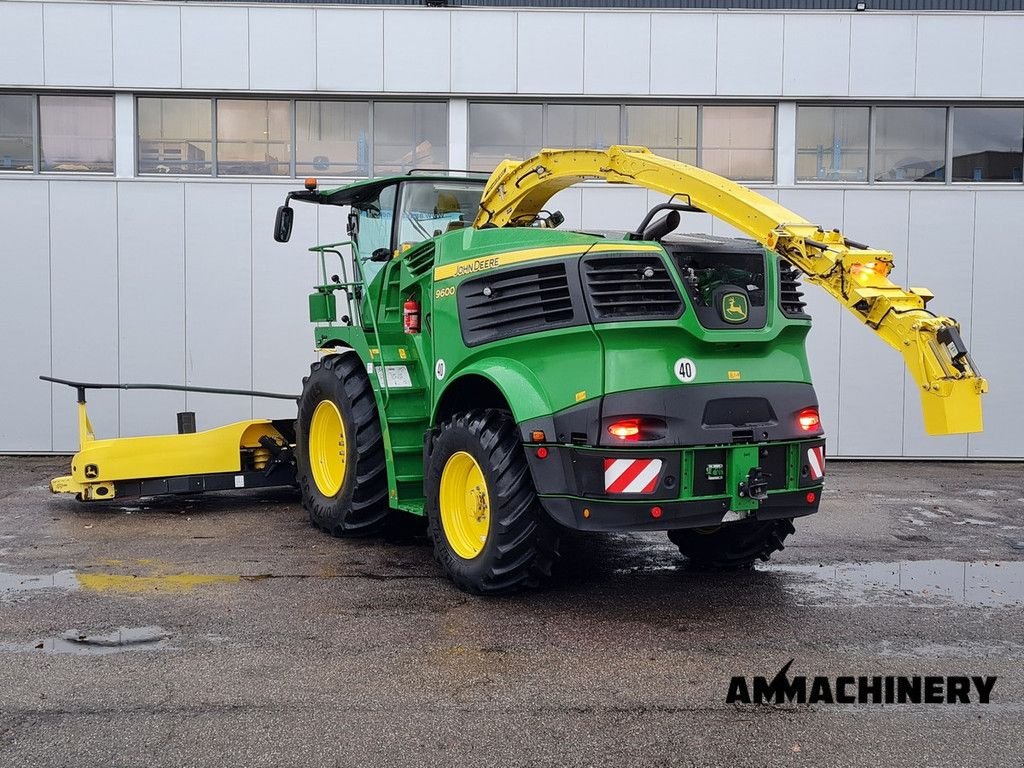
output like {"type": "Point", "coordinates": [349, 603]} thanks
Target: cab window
{"type": "Point", "coordinates": [431, 208]}
{"type": "Point", "coordinates": [375, 220]}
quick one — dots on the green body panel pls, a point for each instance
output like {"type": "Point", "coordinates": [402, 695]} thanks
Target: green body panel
{"type": "Point", "coordinates": [541, 373]}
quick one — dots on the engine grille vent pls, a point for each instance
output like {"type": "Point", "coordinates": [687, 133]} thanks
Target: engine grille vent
{"type": "Point", "coordinates": [790, 296]}
{"type": "Point", "coordinates": [516, 302]}
{"type": "Point", "coordinates": [620, 287]}
{"type": "Point", "coordinates": [420, 260]}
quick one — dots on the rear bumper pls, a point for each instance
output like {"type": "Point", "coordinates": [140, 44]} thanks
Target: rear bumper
{"type": "Point", "coordinates": [601, 515]}
{"type": "Point", "coordinates": [578, 487]}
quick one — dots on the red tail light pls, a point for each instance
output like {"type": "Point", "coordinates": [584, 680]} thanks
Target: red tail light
{"type": "Point", "coordinates": [809, 420]}
{"type": "Point", "coordinates": [625, 429]}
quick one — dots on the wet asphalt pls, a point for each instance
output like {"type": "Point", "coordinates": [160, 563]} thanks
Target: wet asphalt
{"type": "Point", "coordinates": [225, 631]}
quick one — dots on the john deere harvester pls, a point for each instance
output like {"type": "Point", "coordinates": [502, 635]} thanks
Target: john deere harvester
{"type": "Point", "coordinates": [505, 379]}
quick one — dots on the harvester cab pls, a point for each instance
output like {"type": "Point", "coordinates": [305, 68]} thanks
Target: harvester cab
{"type": "Point", "coordinates": [505, 379]}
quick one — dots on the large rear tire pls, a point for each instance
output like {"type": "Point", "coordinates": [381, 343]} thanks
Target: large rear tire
{"type": "Point", "coordinates": [339, 449]}
{"type": "Point", "coordinates": [490, 534]}
{"type": "Point", "coordinates": [733, 545]}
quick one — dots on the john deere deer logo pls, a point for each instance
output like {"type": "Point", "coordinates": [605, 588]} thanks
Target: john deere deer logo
{"type": "Point", "coordinates": [734, 308]}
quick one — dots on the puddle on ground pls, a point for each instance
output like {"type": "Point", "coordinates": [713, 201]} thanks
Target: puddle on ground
{"type": "Point", "coordinates": [920, 582]}
{"type": "Point", "coordinates": [14, 585]}
{"type": "Point", "coordinates": [75, 641]}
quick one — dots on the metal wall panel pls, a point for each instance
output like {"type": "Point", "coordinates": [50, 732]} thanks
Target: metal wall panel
{"type": "Point", "coordinates": [570, 203]}
{"type": "Point", "coordinates": [817, 70]}
{"type": "Point", "coordinates": [283, 275]}
{"type": "Point", "coordinates": [824, 342]}
{"type": "Point", "coordinates": [1003, 57]}
{"type": "Point", "coordinates": [882, 55]}
{"type": "Point", "coordinates": [418, 45]}
{"type": "Point", "coordinates": [349, 49]}
{"type": "Point", "coordinates": [147, 46]}
{"type": "Point", "coordinates": [83, 309]}
{"type": "Point", "coordinates": [150, 303]}
{"type": "Point", "coordinates": [21, 55]}
{"type": "Point", "coordinates": [282, 46]}
{"type": "Point", "coordinates": [940, 259]}
{"type": "Point", "coordinates": [613, 207]}
{"type": "Point", "coordinates": [25, 408]}
{"type": "Point", "coordinates": [995, 339]}
{"type": "Point", "coordinates": [617, 53]}
{"type": "Point", "coordinates": [678, 69]}
{"type": "Point", "coordinates": [77, 44]}
{"type": "Point", "coordinates": [218, 299]}
{"type": "Point", "coordinates": [949, 55]}
{"type": "Point", "coordinates": [550, 53]}
{"type": "Point", "coordinates": [870, 374]}
{"type": "Point", "coordinates": [479, 36]}
{"type": "Point", "coordinates": [750, 54]}
{"type": "Point", "coordinates": [214, 47]}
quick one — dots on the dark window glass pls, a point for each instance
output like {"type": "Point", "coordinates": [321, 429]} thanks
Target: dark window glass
{"type": "Point", "coordinates": [253, 137]}
{"type": "Point", "coordinates": [16, 147]}
{"type": "Point", "coordinates": [175, 135]}
{"type": "Point", "coordinates": [667, 131]}
{"type": "Point", "coordinates": [910, 144]}
{"type": "Point", "coordinates": [584, 126]}
{"type": "Point", "coordinates": [332, 138]}
{"type": "Point", "coordinates": [501, 131]}
{"type": "Point", "coordinates": [409, 135]}
{"type": "Point", "coordinates": [77, 133]}
{"type": "Point", "coordinates": [739, 142]}
{"type": "Point", "coordinates": [988, 144]}
{"type": "Point", "coordinates": [832, 143]}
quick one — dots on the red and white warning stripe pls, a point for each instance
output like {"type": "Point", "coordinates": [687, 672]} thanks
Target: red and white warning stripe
{"type": "Point", "coordinates": [631, 475]}
{"type": "Point", "coordinates": [816, 462]}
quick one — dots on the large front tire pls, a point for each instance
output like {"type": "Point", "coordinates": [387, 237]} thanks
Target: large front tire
{"type": "Point", "coordinates": [339, 449]}
{"type": "Point", "coordinates": [489, 532]}
{"type": "Point", "coordinates": [733, 545]}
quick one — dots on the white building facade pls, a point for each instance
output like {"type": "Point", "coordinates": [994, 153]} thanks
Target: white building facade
{"type": "Point", "coordinates": [145, 146]}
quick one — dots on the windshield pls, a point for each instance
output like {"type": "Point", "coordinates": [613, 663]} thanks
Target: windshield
{"type": "Point", "coordinates": [431, 208]}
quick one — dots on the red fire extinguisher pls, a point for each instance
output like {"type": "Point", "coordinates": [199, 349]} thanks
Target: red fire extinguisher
{"type": "Point", "coordinates": [411, 315]}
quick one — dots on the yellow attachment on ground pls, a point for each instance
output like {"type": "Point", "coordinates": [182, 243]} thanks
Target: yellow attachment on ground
{"type": "Point", "coordinates": [327, 450]}
{"type": "Point", "coordinates": [465, 505]}
{"type": "Point", "coordinates": [854, 275]}
{"type": "Point", "coordinates": [99, 463]}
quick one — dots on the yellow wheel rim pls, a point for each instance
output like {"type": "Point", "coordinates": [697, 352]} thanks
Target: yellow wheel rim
{"type": "Point", "coordinates": [465, 505]}
{"type": "Point", "coordinates": [327, 448]}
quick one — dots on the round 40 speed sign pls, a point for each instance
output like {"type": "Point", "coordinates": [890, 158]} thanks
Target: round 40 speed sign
{"type": "Point", "coordinates": [685, 370]}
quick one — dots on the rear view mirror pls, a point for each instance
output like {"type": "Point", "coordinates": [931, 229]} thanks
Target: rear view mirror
{"type": "Point", "coordinates": [283, 224]}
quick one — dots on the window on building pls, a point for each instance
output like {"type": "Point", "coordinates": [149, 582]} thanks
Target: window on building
{"type": "Point", "coordinates": [17, 147]}
{"type": "Point", "coordinates": [988, 144]}
{"type": "Point", "coordinates": [332, 138]}
{"type": "Point", "coordinates": [253, 137]}
{"type": "Point", "coordinates": [667, 131]}
{"type": "Point", "coordinates": [739, 142]}
{"type": "Point", "coordinates": [501, 131]}
{"type": "Point", "coordinates": [832, 143]}
{"type": "Point", "coordinates": [910, 144]}
{"type": "Point", "coordinates": [76, 134]}
{"type": "Point", "coordinates": [409, 135]}
{"type": "Point", "coordinates": [584, 126]}
{"type": "Point", "coordinates": [175, 135]}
